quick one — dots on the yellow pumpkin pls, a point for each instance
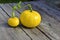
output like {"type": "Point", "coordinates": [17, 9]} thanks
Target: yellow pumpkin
{"type": "Point", "coordinates": [13, 21]}
{"type": "Point", "coordinates": [30, 19]}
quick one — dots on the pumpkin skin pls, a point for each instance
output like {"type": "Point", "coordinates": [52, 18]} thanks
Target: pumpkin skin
{"type": "Point", "coordinates": [13, 21]}
{"type": "Point", "coordinates": [30, 19]}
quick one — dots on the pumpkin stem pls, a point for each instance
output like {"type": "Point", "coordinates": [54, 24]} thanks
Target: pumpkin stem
{"type": "Point", "coordinates": [13, 13]}
{"type": "Point", "coordinates": [30, 7]}
{"type": "Point", "coordinates": [18, 6]}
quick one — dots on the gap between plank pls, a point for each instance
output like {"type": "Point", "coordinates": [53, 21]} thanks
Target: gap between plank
{"type": "Point", "coordinates": [37, 28]}
{"type": "Point", "coordinates": [21, 28]}
{"type": "Point", "coordinates": [43, 32]}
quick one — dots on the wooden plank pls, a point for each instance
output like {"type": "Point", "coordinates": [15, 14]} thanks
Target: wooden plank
{"type": "Point", "coordinates": [20, 10]}
{"type": "Point", "coordinates": [35, 34]}
{"type": "Point", "coordinates": [49, 25]}
{"type": "Point", "coordinates": [49, 11]}
{"type": "Point", "coordinates": [53, 5]}
{"type": "Point", "coordinates": [7, 33]}
{"type": "Point", "coordinates": [50, 22]}
{"type": "Point", "coordinates": [7, 9]}
{"type": "Point", "coordinates": [49, 8]}
{"type": "Point", "coordinates": [2, 17]}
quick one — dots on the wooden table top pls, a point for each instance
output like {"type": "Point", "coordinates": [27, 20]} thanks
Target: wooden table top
{"type": "Point", "coordinates": [49, 29]}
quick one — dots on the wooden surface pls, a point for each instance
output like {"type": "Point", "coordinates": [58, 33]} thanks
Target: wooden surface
{"type": "Point", "coordinates": [49, 29]}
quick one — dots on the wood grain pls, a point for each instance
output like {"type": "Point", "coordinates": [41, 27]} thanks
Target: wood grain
{"type": "Point", "coordinates": [49, 25]}
{"type": "Point", "coordinates": [47, 9]}
{"type": "Point", "coordinates": [8, 33]}
{"type": "Point", "coordinates": [49, 29]}
{"type": "Point", "coordinates": [33, 33]}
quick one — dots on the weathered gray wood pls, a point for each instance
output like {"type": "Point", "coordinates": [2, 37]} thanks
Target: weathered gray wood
{"type": "Point", "coordinates": [7, 9]}
{"type": "Point", "coordinates": [33, 33]}
{"type": "Point", "coordinates": [49, 25]}
{"type": "Point", "coordinates": [2, 16]}
{"type": "Point", "coordinates": [51, 12]}
{"type": "Point", "coordinates": [54, 4]}
{"type": "Point", "coordinates": [7, 33]}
